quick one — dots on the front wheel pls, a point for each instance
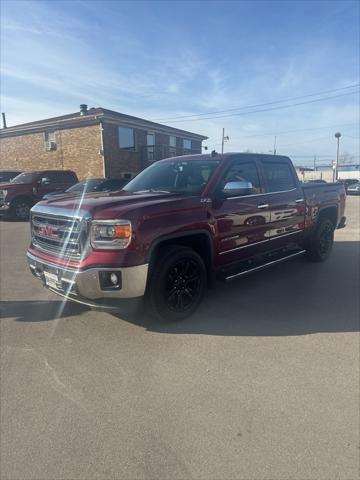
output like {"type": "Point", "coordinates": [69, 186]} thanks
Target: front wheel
{"type": "Point", "coordinates": [321, 241]}
{"type": "Point", "coordinates": [20, 209]}
{"type": "Point", "coordinates": [177, 283]}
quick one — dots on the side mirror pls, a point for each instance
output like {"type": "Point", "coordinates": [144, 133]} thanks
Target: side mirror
{"type": "Point", "coordinates": [45, 181]}
{"type": "Point", "coordinates": [234, 189]}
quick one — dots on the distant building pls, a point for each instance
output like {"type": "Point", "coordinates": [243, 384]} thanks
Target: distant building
{"type": "Point", "coordinates": [93, 142]}
{"type": "Point", "coordinates": [326, 172]}
{"type": "Point", "coordinates": [349, 171]}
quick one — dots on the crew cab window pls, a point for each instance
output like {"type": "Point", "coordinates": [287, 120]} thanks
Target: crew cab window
{"type": "Point", "coordinates": [54, 177]}
{"type": "Point", "coordinates": [243, 172]}
{"type": "Point", "coordinates": [279, 176]}
{"type": "Point", "coordinates": [67, 177]}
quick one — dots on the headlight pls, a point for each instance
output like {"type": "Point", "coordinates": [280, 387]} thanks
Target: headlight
{"type": "Point", "coordinates": [111, 234]}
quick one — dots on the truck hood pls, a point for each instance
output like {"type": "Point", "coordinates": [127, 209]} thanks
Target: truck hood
{"type": "Point", "coordinates": [109, 205]}
{"type": "Point", "coordinates": [8, 186]}
{"type": "Point", "coordinates": [16, 187]}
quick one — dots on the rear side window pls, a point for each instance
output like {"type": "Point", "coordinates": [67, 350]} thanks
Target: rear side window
{"type": "Point", "coordinates": [67, 177]}
{"type": "Point", "coordinates": [278, 176]}
{"type": "Point", "coordinates": [54, 177]}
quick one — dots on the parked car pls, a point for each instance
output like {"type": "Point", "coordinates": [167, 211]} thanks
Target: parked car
{"type": "Point", "coordinates": [7, 175]}
{"type": "Point", "coordinates": [177, 226]}
{"type": "Point", "coordinates": [353, 189]}
{"type": "Point", "coordinates": [19, 195]}
{"type": "Point", "coordinates": [347, 182]}
{"type": "Point", "coordinates": [90, 185]}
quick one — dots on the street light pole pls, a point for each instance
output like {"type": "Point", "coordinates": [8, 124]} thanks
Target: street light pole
{"type": "Point", "coordinates": [275, 145]}
{"type": "Point", "coordinates": [223, 140]}
{"type": "Point", "coordinates": [335, 173]}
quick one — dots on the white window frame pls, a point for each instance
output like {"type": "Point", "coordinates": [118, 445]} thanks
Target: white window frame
{"type": "Point", "coordinates": [150, 147]}
{"type": "Point", "coordinates": [187, 140]}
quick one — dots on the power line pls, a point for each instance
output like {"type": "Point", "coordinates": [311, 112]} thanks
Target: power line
{"type": "Point", "coordinates": [260, 104]}
{"type": "Point", "coordinates": [302, 130]}
{"type": "Point", "coordinates": [265, 109]}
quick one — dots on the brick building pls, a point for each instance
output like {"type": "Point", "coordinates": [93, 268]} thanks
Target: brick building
{"type": "Point", "coordinates": [93, 142]}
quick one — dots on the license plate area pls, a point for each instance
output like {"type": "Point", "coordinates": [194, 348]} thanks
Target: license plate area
{"type": "Point", "coordinates": [51, 279]}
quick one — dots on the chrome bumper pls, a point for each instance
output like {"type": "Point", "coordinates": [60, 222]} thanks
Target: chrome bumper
{"type": "Point", "coordinates": [85, 284]}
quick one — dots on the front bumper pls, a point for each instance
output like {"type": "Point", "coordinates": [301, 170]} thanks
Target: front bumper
{"type": "Point", "coordinates": [342, 223]}
{"type": "Point", "coordinates": [84, 285]}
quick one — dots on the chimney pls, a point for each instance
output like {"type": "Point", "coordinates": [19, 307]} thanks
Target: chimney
{"type": "Point", "coordinates": [4, 120]}
{"type": "Point", "coordinates": [83, 109]}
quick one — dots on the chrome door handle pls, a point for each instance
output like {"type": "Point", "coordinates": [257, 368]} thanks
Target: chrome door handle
{"type": "Point", "coordinates": [299, 200]}
{"type": "Point", "coordinates": [263, 205]}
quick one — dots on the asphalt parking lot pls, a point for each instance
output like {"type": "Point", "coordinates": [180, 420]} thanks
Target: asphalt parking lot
{"type": "Point", "coordinates": [261, 383]}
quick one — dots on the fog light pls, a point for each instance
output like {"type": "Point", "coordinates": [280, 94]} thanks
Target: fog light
{"type": "Point", "coordinates": [110, 280]}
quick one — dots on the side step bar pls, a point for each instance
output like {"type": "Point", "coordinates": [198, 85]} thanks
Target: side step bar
{"type": "Point", "coordinates": [265, 265]}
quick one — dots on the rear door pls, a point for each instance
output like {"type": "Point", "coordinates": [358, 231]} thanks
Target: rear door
{"type": "Point", "coordinates": [285, 199]}
{"type": "Point", "coordinates": [241, 222]}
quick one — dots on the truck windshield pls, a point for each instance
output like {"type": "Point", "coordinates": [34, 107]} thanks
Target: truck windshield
{"type": "Point", "coordinates": [174, 176]}
{"type": "Point", "coordinates": [25, 178]}
{"type": "Point", "coordinates": [88, 185]}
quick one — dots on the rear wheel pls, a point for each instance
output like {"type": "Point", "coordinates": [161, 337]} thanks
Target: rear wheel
{"type": "Point", "coordinates": [321, 242]}
{"type": "Point", "coordinates": [177, 283]}
{"type": "Point", "coordinates": [20, 209]}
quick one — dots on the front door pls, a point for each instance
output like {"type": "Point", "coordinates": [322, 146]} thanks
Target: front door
{"type": "Point", "coordinates": [242, 222]}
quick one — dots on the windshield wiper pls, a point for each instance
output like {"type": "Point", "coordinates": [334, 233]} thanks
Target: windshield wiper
{"type": "Point", "coordinates": [152, 190]}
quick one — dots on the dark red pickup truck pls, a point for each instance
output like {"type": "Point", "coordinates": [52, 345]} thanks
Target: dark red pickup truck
{"type": "Point", "coordinates": [20, 194]}
{"type": "Point", "coordinates": [177, 226]}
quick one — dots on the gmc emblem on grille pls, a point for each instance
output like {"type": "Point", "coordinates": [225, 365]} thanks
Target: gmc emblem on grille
{"type": "Point", "coordinates": [48, 231]}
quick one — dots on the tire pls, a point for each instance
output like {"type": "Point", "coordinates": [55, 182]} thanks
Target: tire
{"type": "Point", "coordinates": [321, 241]}
{"type": "Point", "coordinates": [20, 209]}
{"type": "Point", "coordinates": [177, 283]}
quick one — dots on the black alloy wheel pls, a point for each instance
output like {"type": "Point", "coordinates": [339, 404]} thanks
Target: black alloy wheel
{"type": "Point", "coordinates": [20, 209]}
{"type": "Point", "coordinates": [177, 283]}
{"type": "Point", "coordinates": [321, 241]}
{"type": "Point", "coordinates": [183, 285]}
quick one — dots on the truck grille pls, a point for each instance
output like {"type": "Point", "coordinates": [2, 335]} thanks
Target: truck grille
{"type": "Point", "coordinates": [65, 236]}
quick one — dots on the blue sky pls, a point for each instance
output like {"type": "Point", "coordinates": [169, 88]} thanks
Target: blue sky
{"type": "Point", "coordinates": [161, 60]}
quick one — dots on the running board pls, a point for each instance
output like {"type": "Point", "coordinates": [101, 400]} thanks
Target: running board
{"type": "Point", "coordinates": [265, 265]}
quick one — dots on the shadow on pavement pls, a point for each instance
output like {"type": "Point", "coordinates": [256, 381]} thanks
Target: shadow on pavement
{"type": "Point", "coordinates": [39, 311]}
{"type": "Point", "coordinates": [294, 298]}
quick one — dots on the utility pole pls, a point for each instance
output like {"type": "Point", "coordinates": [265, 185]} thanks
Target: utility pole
{"type": "Point", "coordinates": [223, 140]}
{"type": "Point", "coordinates": [335, 173]}
{"type": "Point", "coordinates": [275, 145]}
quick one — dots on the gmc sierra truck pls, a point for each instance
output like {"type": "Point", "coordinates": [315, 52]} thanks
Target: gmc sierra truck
{"type": "Point", "coordinates": [24, 190]}
{"type": "Point", "coordinates": [179, 225]}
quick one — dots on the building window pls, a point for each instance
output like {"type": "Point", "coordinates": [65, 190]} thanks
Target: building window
{"type": "Point", "coordinates": [186, 144]}
{"type": "Point", "coordinates": [150, 142]}
{"type": "Point", "coordinates": [172, 146]}
{"type": "Point", "coordinates": [50, 140]}
{"type": "Point", "coordinates": [126, 138]}
{"type": "Point", "coordinates": [50, 137]}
